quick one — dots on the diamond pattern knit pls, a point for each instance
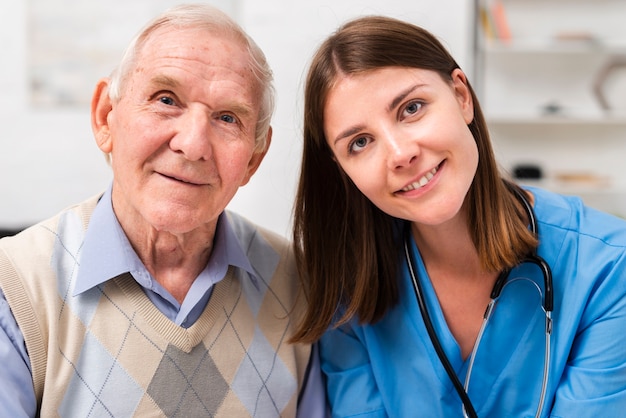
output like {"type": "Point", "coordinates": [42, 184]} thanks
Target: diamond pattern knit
{"type": "Point", "coordinates": [110, 352]}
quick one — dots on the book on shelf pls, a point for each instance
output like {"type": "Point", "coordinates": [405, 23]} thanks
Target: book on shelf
{"type": "Point", "coordinates": [494, 20]}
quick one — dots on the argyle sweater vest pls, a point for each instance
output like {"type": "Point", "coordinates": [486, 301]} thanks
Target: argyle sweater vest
{"type": "Point", "coordinates": [110, 352]}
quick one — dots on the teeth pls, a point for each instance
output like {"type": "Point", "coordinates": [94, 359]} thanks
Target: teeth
{"type": "Point", "coordinates": [421, 182]}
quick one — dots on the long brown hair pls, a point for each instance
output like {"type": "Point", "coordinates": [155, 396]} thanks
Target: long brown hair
{"type": "Point", "coordinates": [347, 250]}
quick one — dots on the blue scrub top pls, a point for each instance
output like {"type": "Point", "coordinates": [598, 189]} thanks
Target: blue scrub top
{"type": "Point", "coordinates": [390, 369]}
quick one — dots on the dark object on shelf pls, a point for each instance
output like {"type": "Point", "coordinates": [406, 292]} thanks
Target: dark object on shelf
{"type": "Point", "coordinates": [552, 108]}
{"type": "Point", "coordinates": [527, 172]}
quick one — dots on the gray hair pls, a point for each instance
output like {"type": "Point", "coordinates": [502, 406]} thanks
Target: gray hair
{"type": "Point", "coordinates": [204, 16]}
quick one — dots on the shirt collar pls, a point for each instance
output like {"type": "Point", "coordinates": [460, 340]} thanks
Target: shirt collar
{"type": "Point", "coordinates": [107, 253]}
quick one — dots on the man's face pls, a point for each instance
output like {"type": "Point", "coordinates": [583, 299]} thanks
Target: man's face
{"type": "Point", "coordinates": [182, 134]}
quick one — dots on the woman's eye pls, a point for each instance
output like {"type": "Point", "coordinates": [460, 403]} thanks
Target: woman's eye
{"type": "Point", "coordinates": [412, 108]}
{"type": "Point", "coordinates": [358, 144]}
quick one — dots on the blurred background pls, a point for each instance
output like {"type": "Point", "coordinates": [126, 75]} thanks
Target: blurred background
{"type": "Point", "coordinates": [549, 73]}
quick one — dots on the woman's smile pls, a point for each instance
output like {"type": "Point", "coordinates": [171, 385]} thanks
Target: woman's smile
{"type": "Point", "coordinates": [422, 181]}
{"type": "Point", "coordinates": [407, 147]}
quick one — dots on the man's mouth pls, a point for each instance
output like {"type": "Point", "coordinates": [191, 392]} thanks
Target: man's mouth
{"type": "Point", "coordinates": [181, 180]}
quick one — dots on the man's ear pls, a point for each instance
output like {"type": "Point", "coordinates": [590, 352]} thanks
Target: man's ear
{"type": "Point", "coordinates": [257, 157]}
{"type": "Point", "coordinates": [101, 107]}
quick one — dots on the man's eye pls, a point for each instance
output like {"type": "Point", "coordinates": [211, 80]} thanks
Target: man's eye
{"type": "Point", "coordinates": [228, 118]}
{"type": "Point", "coordinates": [166, 100]}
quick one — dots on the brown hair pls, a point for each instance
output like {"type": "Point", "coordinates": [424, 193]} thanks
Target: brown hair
{"type": "Point", "coordinates": [347, 250]}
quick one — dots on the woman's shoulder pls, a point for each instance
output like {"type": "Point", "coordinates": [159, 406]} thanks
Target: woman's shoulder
{"type": "Point", "coordinates": [557, 213]}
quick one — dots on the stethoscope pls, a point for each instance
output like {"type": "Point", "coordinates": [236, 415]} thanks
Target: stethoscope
{"type": "Point", "coordinates": [547, 304]}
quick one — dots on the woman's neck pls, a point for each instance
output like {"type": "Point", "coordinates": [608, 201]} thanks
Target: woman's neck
{"type": "Point", "coordinates": [463, 287]}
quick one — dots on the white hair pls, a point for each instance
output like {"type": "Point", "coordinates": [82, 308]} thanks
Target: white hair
{"type": "Point", "coordinates": [204, 16]}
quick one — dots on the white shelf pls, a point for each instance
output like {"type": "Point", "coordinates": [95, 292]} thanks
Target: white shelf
{"type": "Point", "coordinates": [564, 119]}
{"type": "Point", "coordinates": [609, 199]}
{"type": "Point", "coordinates": [552, 46]}
{"type": "Point", "coordinates": [598, 187]}
{"type": "Point", "coordinates": [539, 93]}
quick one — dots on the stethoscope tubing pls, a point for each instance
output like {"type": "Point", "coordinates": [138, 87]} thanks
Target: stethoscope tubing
{"type": "Point", "coordinates": [445, 362]}
{"type": "Point", "coordinates": [547, 306]}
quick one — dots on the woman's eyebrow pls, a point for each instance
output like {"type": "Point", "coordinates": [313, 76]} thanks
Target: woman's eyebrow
{"type": "Point", "coordinates": [396, 100]}
{"type": "Point", "coordinates": [348, 132]}
{"type": "Point", "coordinates": [400, 97]}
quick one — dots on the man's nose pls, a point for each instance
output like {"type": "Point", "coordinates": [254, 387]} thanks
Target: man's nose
{"type": "Point", "coordinates": [193, 135]}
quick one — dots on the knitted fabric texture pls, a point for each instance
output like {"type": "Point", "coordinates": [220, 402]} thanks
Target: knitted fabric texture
{"type": "Point", "coordinates": [110, 352]}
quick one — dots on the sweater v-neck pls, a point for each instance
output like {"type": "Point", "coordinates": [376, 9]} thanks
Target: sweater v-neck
{"type": "Point", "coordinates": [183, 338]}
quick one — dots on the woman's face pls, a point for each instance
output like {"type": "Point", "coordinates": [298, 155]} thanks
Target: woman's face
{"type": "Point", "coordinates": [401, 135]}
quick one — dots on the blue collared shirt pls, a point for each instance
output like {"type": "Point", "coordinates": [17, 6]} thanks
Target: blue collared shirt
{"type": "Point", "coordinates": [106, 254]}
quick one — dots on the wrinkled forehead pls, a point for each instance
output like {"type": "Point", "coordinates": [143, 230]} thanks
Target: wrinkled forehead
{"type": "Point", "coordinates": [200, 38]}
{"type": "Point", "coordinates": [212, 47]}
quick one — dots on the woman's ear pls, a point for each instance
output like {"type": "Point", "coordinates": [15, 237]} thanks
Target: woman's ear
{"type": "Point", "coordinates": [463, 94]}
{"type": "Point", "coordinates": [101, 107]}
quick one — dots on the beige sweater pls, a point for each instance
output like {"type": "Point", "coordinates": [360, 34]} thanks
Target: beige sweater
{"type": "Point", "coordinates": [110, 352]}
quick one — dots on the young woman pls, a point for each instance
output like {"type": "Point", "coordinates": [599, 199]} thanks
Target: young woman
{"type": "Point", "coordinates": [439, 287]}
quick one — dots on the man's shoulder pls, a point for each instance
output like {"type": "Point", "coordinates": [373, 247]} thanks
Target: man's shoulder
{"type": "Point", "coordinates": [28, 253]}
{"type": "Point", "coordinates": [248, 232]}
{"type": "Point", "coordinates": [47, 228]}
{"type": "Point", "coordinates": [270, 254]}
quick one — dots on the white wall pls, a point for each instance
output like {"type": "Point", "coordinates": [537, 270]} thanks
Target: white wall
{"type": "Point", "coordinates": [48, 159]}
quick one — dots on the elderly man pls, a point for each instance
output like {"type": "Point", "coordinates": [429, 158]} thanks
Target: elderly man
{"type": "Point", "coordinates": [151, 299]}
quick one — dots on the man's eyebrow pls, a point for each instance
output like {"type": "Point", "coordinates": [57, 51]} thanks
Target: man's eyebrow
{"type": "Point", "coordinates": [165, 81]}
{"type": "Point", "coordinates": [239, 108]}
{"type": "Point", "coordinates": [242, 110]}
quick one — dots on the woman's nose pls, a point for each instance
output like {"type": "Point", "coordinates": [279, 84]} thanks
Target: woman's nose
{"type": "Point", "coordinates": [402, 150]}
{"type": "Point", "coordinates": [193, 135]}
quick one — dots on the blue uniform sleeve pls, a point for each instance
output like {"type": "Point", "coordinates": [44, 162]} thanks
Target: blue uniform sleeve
{"type": "Point", "coordinates": [17, 395]}
{"type": "Point", "coordinates": [346, 365]}
{"type": "Point", "coordinates": [594, 381]}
